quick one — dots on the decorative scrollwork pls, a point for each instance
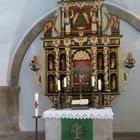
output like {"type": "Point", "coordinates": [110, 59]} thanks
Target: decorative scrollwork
{"type": "Point", "coordinates": [130, 61]}
{"type": "Point", "coordinates": [34, 64]}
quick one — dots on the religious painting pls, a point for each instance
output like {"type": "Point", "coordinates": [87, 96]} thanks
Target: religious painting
{"type": "Point", "coordinates": [113, 61]}
{"type": "Point", "coordinates": [113, 82]}
{"type": "Point", "coordinates": [62, 62]}
{"type": "Point", "coordinates": [50, 62]}
{"type": "Point", "coordinates": [100, 61]}
{"type": "Point", "coordinates": [51, 83]}
{"type": "Point", "coordinates": [81, 70]}
{"type": "Point", "coordinates": [80, 18]}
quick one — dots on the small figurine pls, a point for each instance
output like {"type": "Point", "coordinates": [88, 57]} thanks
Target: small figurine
{"type": "Point", "coordinates": [51, 85]}
{"type": "Point", "coordinates": [63, 64]}
{"type": "Point", "coordinates": [34, 65]}
{"type": "Point", "coordinates": [116, 23]}
{"type": "Point", "coordinates": [100, 62]}
{"type": "Point", "coordinates": [51, 63]}
{"type": "Point", "coordinates": [113, 62]}
{"type": "Point", "coordinates": [94, 21]}
{"type": "Point", "coordinates": [113, 84]}
{"type": "Point", "coordinates": [67, 22]}
{"type": "Point", "coordinates": [48, 28]}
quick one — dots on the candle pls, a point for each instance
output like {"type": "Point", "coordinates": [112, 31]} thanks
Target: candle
{"type": "Point", "coordinates": [58, 84]}
{"type": "Point", "coordinates": [99, 84]}
{"type": "Point", "coordinates": [36, 104]}
{"type": "Point", "coordinates": [93, 81]}
{"type": "Point", "coordinates": [65, 82]}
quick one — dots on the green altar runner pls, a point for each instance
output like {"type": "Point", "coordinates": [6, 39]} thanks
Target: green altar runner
{"type": "Point", "coordinates": [77, 129]}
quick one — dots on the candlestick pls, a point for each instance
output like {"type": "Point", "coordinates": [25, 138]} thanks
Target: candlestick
{"type": "Point", "coordinates": [99, 84]}
{"type": "Point", "coordinates": [36, 104]}
{"type": "Point", "coordinates": [93, 101]}
{"type": "Point", "coordinates": [100, 101]}
{"type": "Point", "coordinates": [93, 81]}
{"type": "Point", "coordinates": [58, 84]}
{"type": "Point", "coordinates": [65, 82]}
{"type": "Point", "coordinates": [36, 126]}
{"type": "Point", "coordinates": [80, 78]}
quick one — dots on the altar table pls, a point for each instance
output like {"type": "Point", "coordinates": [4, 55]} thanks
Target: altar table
{"type": "Point", "coordinates": [68, 124]}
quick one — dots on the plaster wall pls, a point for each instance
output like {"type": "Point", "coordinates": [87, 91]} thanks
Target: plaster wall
{"type": "Point", "coordinates": [16, 20]}
{"type": "Point", "coordinates": [29, 88]}
{"type": "Point", "coordinates": [129, 5]}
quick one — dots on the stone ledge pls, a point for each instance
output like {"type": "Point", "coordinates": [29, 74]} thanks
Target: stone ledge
{"type": "Point", "coordinates": [126, 134]}
{"type": "Point", "coordinates": [4, 89]}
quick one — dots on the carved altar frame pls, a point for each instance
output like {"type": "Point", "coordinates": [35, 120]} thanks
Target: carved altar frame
{"type": "Point", "coordinates": [101, 46]}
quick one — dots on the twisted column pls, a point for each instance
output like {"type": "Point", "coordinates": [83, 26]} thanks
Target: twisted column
{"type": "Point", "coordinates": [94, 64]}
{"type": "Point", "coordinates": [106, 75]}
{"type": "Point", "coordinates": [56, 50]}
{"type": "Point", "coordinates": [67, 49]}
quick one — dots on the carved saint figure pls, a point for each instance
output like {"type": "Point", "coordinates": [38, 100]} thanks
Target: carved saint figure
{"type": "Point", "coordinates": [51, 63]}
{"type": "Point", "coordinates": [114, 23]}
{"type": "Point", "coordinates": [94, 21]}
{"type": "Point", "coordinates": [100, 62]}
{"type": "Point", "coordinates": [113, 62]}
{"type": "Point", "coordinates": [51, 85]}
{"type": "Point", "coordinates": [63, 64]}
{"type": "Point", "coordinates": [48, 28]}
{"type": "Point", "coordinates": [113, 84]}
{"type": "Point", "coordinates": [67, 22]}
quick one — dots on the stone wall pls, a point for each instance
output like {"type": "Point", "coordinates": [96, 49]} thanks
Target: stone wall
{"type": "Point", "coordinates": [9, 109]}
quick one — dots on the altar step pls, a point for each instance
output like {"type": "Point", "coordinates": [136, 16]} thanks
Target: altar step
{"type": "Point", "coordinates": [41, 136]}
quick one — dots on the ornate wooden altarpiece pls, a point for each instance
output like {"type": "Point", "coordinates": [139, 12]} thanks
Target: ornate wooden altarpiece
{"type": "Point", "coordinates": [82, 41]}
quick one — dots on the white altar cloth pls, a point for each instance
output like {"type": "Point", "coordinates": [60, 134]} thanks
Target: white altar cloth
{"type": "Point", "coordinates": [105, 113]}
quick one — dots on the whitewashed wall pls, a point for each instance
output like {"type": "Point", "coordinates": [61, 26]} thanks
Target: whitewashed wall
{"type": "Point", "coordinates": [28, 90]}
{"type": "Point", "coordinates": [131, 5]}
{"type": "Point", "coordinates": [17, 17]}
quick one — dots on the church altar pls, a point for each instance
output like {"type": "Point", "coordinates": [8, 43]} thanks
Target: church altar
{"type": "Point", "coordinates": [89, 124]}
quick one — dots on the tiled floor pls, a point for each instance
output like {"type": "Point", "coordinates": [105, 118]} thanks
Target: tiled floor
{"type": "Point", "coordinates": [41, 136]}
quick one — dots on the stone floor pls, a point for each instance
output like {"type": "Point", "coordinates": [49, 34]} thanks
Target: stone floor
{"type": "Point", "coordinates": [41, 136]}
{"type": "Point", "coordinates": [23, 136]}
